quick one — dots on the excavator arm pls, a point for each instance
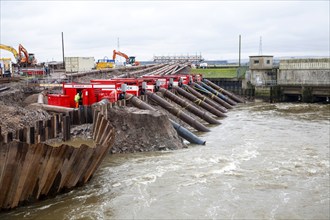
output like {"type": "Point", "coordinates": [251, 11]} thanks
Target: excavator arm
{"type": "Point", "coordinates": [28, 58]}
{"type": "Point", "coordinates": [115, 53]}
{"type": "Point", "coordinates": [129, 60]}
{"type": "Point", "coordinates": [12, 50]}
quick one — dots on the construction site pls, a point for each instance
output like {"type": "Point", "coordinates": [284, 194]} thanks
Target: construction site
{"type": "Point", "coordinates": [53, 117]}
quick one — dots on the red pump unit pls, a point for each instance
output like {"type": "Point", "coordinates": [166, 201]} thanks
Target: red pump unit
{"type": "Point", "coordinates": [112, 89]}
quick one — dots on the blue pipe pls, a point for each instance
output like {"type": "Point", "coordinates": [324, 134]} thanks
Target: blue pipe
{"type": "Point", "coordinates": [186, 134]}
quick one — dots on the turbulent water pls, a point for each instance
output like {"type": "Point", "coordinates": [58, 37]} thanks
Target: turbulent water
{"type": "Point", "coordinates": [266, 161]}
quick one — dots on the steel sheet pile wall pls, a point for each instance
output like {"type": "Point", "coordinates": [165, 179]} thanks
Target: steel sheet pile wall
{"type": "Point", "coordinates": [30, 170]}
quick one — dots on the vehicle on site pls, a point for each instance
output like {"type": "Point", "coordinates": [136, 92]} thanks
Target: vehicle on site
{"type": "Point", "coordinates": [12, 50]}
{"type": "Point", "coordinates": [28, 59]}
{"type": "Point", "coordinates": [105, 63]}
{"type": "Point", "coordinates": [23, 58]}
{"type": "Point", "coordinates": [130, 61]}
{"type": "Point", "coordinates": [6, 68]}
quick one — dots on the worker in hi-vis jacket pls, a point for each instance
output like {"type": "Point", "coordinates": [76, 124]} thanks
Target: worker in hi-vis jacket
{"type": "Point", "coordinates": [77, 98]}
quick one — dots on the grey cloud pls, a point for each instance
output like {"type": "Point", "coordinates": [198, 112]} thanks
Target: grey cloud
{"type": "Point", "coordinates": [147, 28]}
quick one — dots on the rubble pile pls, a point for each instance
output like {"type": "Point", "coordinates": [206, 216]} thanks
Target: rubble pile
{"type": "Point", "coordinates": [142, 130]}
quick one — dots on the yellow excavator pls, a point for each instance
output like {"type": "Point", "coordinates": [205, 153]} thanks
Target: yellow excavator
{"type": "Point", "coordinates": [23, 58]}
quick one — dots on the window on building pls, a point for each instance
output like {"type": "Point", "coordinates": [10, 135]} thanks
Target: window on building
{"type": "Point", "coordinates": [268, 61]}
{"type": "Point", "coordinates": [256, 61]}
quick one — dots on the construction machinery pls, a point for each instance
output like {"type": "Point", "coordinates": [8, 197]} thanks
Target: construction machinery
{"type": "Point", "coordinates": [28, 59]}
{"type": "Point", "coordinates": [23, 58]}
{"type": "Point", "coordinates": [12, 50]}
{"type": "Point", "coordinates": [105, 63]}
{"type": "Point", "coordinates": [130, 61]}
{"type": "Point", "coordinates": [6, 68]}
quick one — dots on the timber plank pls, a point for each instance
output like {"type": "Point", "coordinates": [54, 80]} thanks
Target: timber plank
{"type": "Point", "coordinates": [85, 158]}
{"type": "Point", "coordinates": [24, 174]}
{"type": "Point", "coordinates": [16, 173]}
{"type": "Point", "coordinates": [100, 153]}
{"type": "Point", "coordinates": [55, 169]}
{"type": "Point", "coordinates": [77, 166]}
{"type": "Point", "coordinates": [7, 176]}
{"type": "Point", "coordinates": [100, 129]}
{"type": "Point", "coordinates": [39, 162]}
{"type": "Point", "coordinates": [69, 158]}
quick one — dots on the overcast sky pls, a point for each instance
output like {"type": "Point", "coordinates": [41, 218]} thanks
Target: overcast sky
{"type": "Point", "coordinates": [148, 28]}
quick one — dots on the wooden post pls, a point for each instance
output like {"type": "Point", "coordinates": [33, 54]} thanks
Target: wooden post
{"type": "Point", "coordinates": [76, 117]}
{"type": "Point", "coordinates": [20, 135]}
{"type": "Point", "coordinates": [86, 113]}
{"type": "Point", "coordinates": [41, 131]}
{"type": "Point", "coordinates": [66, 128]}
{"type": "Point", "coordinates": [1, 138]}
{"type": "Point", "coordinates": [90, 115]}
{"type": "Point", "coordinates": [53, 126]}
{"type": "Point", "coordinates": [9, 137]}
{"type": "Point", "coordinates": [71, 117]}
{"type": "Point", "coordinates": [30, 135]}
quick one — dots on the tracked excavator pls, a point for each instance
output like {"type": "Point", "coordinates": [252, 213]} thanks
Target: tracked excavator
{"type": "Point", "coordinates": [23, 58]}
{"type": "Point", "coordinates": [129, 60]}
{"type": "Point", "coordinates": [28, 59]}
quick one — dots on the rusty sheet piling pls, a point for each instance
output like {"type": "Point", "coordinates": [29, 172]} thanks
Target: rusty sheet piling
{"type": "Point", "coordinates": [221, 90]}
{"type": "Point", "coordinates": [31, 170]}
{"type": "Point", "coordinates": [211, 95]}
{"type": "Point", "coordinates": [220, 95]}
{"type": "Point", "coordinates": [199, 102]}
{"type": "Point", "coordinates": [205, 99]}
{"type": "Point", "coordinates": [186, 105]}
{"type": "Point", "coordinates": [177, 112]}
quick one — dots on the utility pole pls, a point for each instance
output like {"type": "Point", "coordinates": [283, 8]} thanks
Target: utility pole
{"type": "Point", "coordinates": [63, 51]}
{"type": "Point", "coordinates": [239, 51]}
{"type": "Point", "coordinates": [260, 46]}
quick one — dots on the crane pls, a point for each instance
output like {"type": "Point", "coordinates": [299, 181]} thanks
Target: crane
{"type": "Point", "coordinates": [129, 60]}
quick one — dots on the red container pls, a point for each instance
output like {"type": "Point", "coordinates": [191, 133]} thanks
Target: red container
{"type": "Point", "coordinates": [59, 100]}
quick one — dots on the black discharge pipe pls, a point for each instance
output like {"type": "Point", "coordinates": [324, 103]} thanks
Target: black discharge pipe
{"type": "Point", "coordinates": [222, 96]}
{"type": "Point", "coordinates": [221, 90]}
{"type": "Point", "coordinates": [177, 112]}
{"type": "Point", "coordinates": [205, 99]}
{"type": "Point", "coordinates": [182, 131]}
{"type": "Point", "coordinates": [211, 95]}
{"type": "Point", "coordinates": [199, 102]}
{"type": "Point", "coordinates": [186, 105]}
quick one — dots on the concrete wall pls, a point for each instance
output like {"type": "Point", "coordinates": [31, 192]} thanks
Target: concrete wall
{"type": "Point", "coordinates": [261, 62]}
{"type": "Point", "coordinates": [303, 64]}
{"type": "Point", "coordinates": [304, 72]}
{"type": "Point", "coordinates": [261, 77]}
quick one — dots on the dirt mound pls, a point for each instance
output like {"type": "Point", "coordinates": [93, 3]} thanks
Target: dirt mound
{"type": "Point", "coordinates": [142, 130]}
{"type": "Point", "coordinates": [15, 117]}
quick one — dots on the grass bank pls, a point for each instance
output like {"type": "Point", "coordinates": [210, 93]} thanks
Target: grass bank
{"type": "Point", "coordinates": [216, 73]}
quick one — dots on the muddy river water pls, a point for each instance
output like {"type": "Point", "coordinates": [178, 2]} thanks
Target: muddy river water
{"type": "Point", "coordinates": [266, 161]}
